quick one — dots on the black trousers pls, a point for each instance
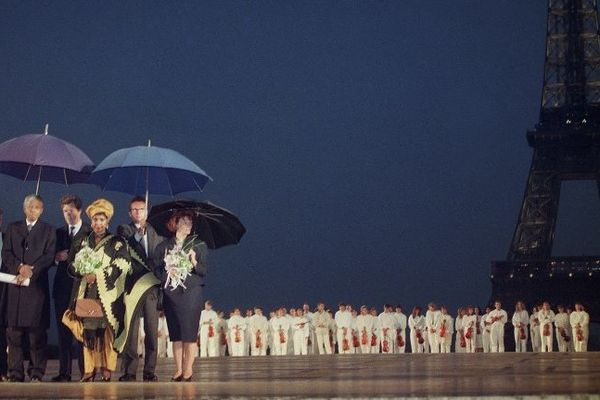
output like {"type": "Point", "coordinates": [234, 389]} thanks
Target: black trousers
{"type": "Point", "coordinates": [38, 341]}
{"type": "Point", "coordinates": [3, 360]}
{"type": "Point", "coordinates": [66, 353]}
{"type": "Point", "coordinates": [148, 310]}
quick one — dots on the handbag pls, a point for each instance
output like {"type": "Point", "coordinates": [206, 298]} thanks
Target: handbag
{"type": "Point", "coordinates": [88, 308]}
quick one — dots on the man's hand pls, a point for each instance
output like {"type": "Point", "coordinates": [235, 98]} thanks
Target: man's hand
{"type": "Point", "coordinates": [26, 271]}
{"type": "Point", "coordinates": [61, 256]}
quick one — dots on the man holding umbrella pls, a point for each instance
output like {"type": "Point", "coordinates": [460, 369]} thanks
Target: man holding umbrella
{"type": "Point", "coordinates": [143, 240]}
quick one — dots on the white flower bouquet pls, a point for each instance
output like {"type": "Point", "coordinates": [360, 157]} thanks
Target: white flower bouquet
{"type": "Point", "coordinates": [178, 266]}
{"type": "Point", "coordinates": [87, 261]}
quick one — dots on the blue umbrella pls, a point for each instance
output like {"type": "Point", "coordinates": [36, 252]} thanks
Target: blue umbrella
{"type": "Point", "coordinates": [43, 157]}
{"type": "Point", "coordinates": [149, 170]}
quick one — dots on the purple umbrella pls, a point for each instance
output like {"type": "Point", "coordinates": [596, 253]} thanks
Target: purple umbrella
{"type": "Point", "coordinates": [42, 157]}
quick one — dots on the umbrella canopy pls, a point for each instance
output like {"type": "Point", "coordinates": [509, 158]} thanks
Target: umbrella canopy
{"type": "Point", "coordinates": [214, 225]}
{"type": "Point", "coordinates": [149, 170]}
{"type": "Point", "coordinates": [43, 157]}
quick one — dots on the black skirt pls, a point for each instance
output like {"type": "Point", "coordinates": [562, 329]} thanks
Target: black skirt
{"type": "Point", "coordinates": [182, 309]}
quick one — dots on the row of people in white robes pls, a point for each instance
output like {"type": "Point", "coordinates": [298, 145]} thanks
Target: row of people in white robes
{"type": "Point", "coordinates": [318, 333]}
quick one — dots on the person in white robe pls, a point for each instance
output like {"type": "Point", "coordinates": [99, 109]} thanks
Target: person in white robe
{"type": "Point", "coordinates": [237, 333]}
{"type": "Point", "coordinates": [460, 342]}
{"type": "Point", "coordinates": [332, 331]}
{"type": "Point", "coordinates": [209, 338]}
{"type": "Point", "coordinates": [280, 326]}
{"type": "Point", "coordinates": [401, 320]}
{"type": "Point", "coordinates": [444, 331]}
{"type": "Point", "coordinates": [580, 325]}
{"type": "Point", "coordinates": [470, 329]}
{"type": "Point", "coordinates": [322, 322]}
{"type": "Point", "coordinates": [534, 330]}
{"type": "Point", "coordinates": [312, 339]}
{"type": "Point", "coordinates": [343, 321]}
{"type": "Point", "coordinates": [258, 326]}
{"type": "Point", "coordinates": [290, 316]}
{"type": "Point", "coordinates": [485, 330]}
{"type": "Point", "coordinates": [563, 332]}
{"type": "Point", "coordinates": [376, 332]}
{"type": "Point", "coordinates": [223, 333]}
{"type": "Point", "coordinates": [479, 342]}
{"type": "Point", "coordinates": [546, 317]}
{"type": "Point", "coordinates": [417, 326]}
{"type": "Point", "coordinates": [497, 318]}
{"type": "Point", "coordinates": [431, 317]}
{"type": "Point", "coordinates": [248, 345]}
{"type": "Point", "coordinates": [364, 326]}
{"type": "Point", "coordinates": [300, 333]}
{"type": "Point", "coordinates": [388, 325]}
{"type": "Point", "coordinates": [520, 320]}
{"type": "Point", "coordinates": [355, 347]}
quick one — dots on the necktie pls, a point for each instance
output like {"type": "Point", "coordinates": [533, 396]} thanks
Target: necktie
{"type": "Point", "coordinates": [71, 231]}
{"type": "Point", "coordinates": [29, 227]}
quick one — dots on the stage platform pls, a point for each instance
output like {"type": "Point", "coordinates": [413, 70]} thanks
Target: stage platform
{"type": "Point", "coordinates": [344, 376]}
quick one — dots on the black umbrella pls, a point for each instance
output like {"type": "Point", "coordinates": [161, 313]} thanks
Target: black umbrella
{"type": "Point", "coordinates": [213, 224]}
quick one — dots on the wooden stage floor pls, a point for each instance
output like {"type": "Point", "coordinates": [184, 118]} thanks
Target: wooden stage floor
{"type": "Point", "coordinates": [365, 376]}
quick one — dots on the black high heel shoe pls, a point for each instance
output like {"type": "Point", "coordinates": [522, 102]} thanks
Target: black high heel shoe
{"type": "Point", "coordinates": [177, 378]}
{"type": "Point", "coordinates": [88, 378]}
{"type": "Point", "coordinates": [188, 379]}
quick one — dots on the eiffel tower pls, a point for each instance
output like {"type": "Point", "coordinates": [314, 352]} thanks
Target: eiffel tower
{"type": "Point", "coordinates": [566, 146]}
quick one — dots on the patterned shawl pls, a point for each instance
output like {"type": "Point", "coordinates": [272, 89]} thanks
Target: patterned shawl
{"type": "Point", "coordinates": [122, 284]}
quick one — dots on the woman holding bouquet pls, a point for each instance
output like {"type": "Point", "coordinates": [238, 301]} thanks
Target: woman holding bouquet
{"type": "Point", "coordinates": [180, 264]}
{"type": "Point", "coordinates": [103, 264]}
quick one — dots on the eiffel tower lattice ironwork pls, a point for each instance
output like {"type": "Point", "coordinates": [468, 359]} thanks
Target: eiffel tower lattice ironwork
{"type": "Point", "coordinates": [566, 146]}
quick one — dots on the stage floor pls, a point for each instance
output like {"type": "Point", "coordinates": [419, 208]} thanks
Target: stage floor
{"type": "Point", "coordinates": [366, 376]}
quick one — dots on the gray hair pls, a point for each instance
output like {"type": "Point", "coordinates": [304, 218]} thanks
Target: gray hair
{"type": "Point", "coordinates": [30, 198]}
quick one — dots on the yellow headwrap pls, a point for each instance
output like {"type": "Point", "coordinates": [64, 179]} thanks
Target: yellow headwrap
{"type": "Point", "coordinates": [100, 206]}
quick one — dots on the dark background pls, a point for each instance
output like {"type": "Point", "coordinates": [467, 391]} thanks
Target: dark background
{"type": "Point", "coordinates": [375, 150]}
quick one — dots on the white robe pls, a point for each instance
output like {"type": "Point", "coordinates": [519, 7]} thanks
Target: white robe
{"type": "Point", "coordinates": [431, 318]}
{"type": "Point", "coordinates": [209, 345]}
{"type": "Point", "coordinates": [520, 320]}
{"type": "Point", "coordinates": [258, 327]}
{"type": "Point", "coordinates": [417, 325]}
{"type": "Point", "coordinates": [444, 325]}
{"type": "Point", "coordinates": [580, 324]}
{"type": "Point", "coordinates": [237, 336]}
{"type": "Point", "coordinates": [497, 318]}
{"type": "Point", "coordinates": [546, 332]}
{"type": "Point", "coordinates": [280, 326]}
{"type": "Point", "coordinates": [343, 321]}
{"type": "Point", "coordinates": [563, 331]}
{"type": "Point", "coordinates": [388, 325]}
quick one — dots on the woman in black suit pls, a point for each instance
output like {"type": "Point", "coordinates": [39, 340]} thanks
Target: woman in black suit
{"type": "Point", "coordinates": [182, 304]}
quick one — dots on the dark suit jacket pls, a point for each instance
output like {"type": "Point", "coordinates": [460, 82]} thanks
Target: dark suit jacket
{"type": "Point", "coordinates": [63, 282]}
{"type": "Point", "coordinates": [29, 306]}
{"type": "Point", "coordinates": [128, 232]}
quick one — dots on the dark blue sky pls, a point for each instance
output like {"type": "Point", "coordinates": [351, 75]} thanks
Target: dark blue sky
{"type": "Point", "coordinates": [375, 150]}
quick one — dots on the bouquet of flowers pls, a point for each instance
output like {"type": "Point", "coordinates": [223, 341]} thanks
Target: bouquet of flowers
{"type": "Point", "coordinates": [178, 266]}
{"type": "Point", "coordinates": [87, 261]}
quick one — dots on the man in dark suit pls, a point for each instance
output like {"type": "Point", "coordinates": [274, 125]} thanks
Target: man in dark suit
{"type": "Point", "coordinates": [68, 242]}
{"type": "Point", "coordinates": [143, 240]}
{"type": "Point", "coordinates": [27, 253]}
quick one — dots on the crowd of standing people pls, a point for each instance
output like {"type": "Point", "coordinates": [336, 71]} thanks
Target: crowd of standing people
{"type": "Point", "coordinates": [302, 331]}
{"type": "Point", "coordinates": [106, 283]}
